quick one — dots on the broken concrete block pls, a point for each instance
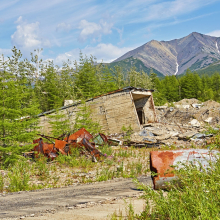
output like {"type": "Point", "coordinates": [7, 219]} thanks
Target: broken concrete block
{"type": "Point", "coordinates": [163, 137]}
{"type": "Point", "coordinates": [173, 133]}
{"type": "Point", "coordinates": [159, 132]}
{"type": "Point", "coordinates": [187, 135]}
{"type": "Point", "coordinates": [150, 140]}
{"type": "Point", "coordinates": [146, 133]}
{"type": "Point", "coordinates": [209, 119]}
{"type": "Point", "coordinates": [195, 123]}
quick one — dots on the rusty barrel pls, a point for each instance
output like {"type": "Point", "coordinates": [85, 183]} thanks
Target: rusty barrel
{"type": "Point", "coordinates": [161, 162]}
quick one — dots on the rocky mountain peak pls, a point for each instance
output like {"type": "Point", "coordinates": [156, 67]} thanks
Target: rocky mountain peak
{"type": "Point", "coordinates": [195, 51]}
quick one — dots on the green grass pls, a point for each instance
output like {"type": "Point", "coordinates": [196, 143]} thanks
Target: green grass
{"type": "Point", "coordinates": [196, 196]}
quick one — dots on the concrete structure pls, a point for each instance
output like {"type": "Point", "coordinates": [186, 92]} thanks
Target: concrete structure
{"type": "Point", "coordinates": [123, 107]}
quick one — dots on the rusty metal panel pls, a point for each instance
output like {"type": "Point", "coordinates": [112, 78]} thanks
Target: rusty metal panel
{"type": "Point", "coordinates": [82, 133]}
{"type": "Point", "coordinates": [161, 162]}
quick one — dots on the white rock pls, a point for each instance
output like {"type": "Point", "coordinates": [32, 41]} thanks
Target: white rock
{"type": "Point", "coordinates": [209, 119]}
{"type": "Point", "coordinates": [195, 123]}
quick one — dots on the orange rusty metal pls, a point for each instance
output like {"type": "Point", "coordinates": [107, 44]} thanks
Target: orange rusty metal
{"type": "Point", "coordinates": [47, 149]}
{"type": "Point", "coordinates": [91, 148]}
{"type": "Point", "coordinates": [162, 162]}
{"type": "Point", "coordinates": [62, 146]}
{"type": "Point", "coordinates": [82, 133]}
{"type": "Point", "coordinates": [78, 139]}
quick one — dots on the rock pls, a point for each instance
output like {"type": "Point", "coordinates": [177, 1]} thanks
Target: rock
{"type": "Point", "coordinates": [209, 119]}
{"type": "Point", "coordinates": [146, 133]}
{"type": "Point", "coordinates": [195, 123]}
{"type": "Point", "coordinates": [174, 134]}
{"type": "Point", "coordinates": [187, 135]}
{"type": "Point", "coordinates": [159, 132]}
{"type": "Point", "coordinates": [32, 215]}
{"type": "Point", "coordinates": [149, 140]}
{"type": "Point", "coordinates": [163, 137]}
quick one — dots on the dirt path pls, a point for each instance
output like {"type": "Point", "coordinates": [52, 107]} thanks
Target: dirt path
{"type": "Point", "coordinates": [62, 199]}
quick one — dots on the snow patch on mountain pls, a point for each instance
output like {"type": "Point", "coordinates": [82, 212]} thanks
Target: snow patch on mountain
{"type": "Point", "coordinates": [217, 47]}
{"type": "Point", "coordinates": [177, 67]}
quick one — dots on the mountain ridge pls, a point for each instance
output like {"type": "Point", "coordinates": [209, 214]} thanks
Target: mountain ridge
{"type": "Point", "coordinates": [174, 57]}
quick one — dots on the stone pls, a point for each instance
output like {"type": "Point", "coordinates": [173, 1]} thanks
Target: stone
{"type": "Point", "coordinates": [195, 123]}
{"type": "Point", "coordinates": [187, 135]}
{"type": "Point", "coordinates": [163, 137]}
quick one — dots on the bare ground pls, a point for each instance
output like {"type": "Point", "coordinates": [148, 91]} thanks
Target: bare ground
{"type": "Point", "coordinates": [72, 199]}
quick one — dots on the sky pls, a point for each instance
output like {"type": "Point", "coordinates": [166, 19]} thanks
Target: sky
{"type": "Point", "coordinates": [105, 29]}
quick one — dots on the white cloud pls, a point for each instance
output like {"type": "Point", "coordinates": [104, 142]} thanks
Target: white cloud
{"type": "Point", "coordinates": [28, 37]}
{"type": "Point", "coordinates": [103, 52]}
{"type": "Point", "coordinates": [93, 29]}
{"type": "Point", "coordinates": [63, 27]}
{"type": "Point", "coordinates": [169, 9]}
{"type": "Point", "coordinates": [215, 33]}
{"type": "Point", "coordinates": [19, 20]}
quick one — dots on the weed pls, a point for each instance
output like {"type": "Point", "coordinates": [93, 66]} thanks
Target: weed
{"type": "Point", "coordinates": [42, 167]}
{"type": "Point", "coordinates": [1, 182]}
{"type": "Point", "coordinates": [19, 177]}
{"type": "Point", "coordinates": [105, 149]}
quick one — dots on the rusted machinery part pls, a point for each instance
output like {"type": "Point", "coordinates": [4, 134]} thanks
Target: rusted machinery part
{"type": "Point", "coordinates": [62, 146]}
{"type": "Point", "coordinates": [46, 149]}
{"type": "Point", "coordinates": [91, 148]}
{"type": "Point", "coordinates": [161, 163]}
{"type": "Point", "coordinates": [104, 138]}
{"type": "Point", "coordinates": [82, 133]}
{"type": "Point", "coordinates": [78, 139]}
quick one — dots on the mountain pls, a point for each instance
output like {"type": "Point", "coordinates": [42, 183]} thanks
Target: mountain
{"type": "Point", "coordinates": [130, 62]}
{"type": "Point", "coordinates": [195, 51]}
{"type": "Point", "coordinates": [211, 69]}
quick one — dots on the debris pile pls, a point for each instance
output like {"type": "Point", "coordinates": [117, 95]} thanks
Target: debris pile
{"type": "Point", "coordinates": [156, 134]}
{"type": "Point", "coordinates": [64, 145]}
{"type": "Point", "coordinates": [181, 125]}
{"type": "Point", "coordinates": [190, 111]}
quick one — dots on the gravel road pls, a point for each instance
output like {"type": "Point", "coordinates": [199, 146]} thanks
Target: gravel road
{"type": "Point", "coordinates": [60, 199]}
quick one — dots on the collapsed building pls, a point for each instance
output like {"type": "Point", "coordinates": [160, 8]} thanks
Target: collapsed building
{"type": "Point", "coordinates": [129, 106]}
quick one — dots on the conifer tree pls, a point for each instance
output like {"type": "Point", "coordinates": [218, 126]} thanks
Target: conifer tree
{"type": "Point", "coordinates": [85, 82]}
{"type": "Point", "coordinates": [18, 108]}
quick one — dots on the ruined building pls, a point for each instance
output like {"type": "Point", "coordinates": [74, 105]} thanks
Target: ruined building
{"type": "Point", "coordinates": [123, 107]}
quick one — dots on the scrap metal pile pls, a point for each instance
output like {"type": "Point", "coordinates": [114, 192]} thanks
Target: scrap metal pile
{"type": "Point", "coordinates": [65, 144]}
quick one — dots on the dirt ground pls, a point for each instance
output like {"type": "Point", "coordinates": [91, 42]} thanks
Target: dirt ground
{"type": "Point", "coordinates": [97, 212]}
{"type": "Point", "coordinates": [87, 201]}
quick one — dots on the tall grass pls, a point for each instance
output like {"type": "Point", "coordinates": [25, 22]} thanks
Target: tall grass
{"type": "Point", "coordinates": [196, 196]}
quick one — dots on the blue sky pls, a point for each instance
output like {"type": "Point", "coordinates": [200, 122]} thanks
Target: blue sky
{"type": "Point", "coordinates": [105, 29]}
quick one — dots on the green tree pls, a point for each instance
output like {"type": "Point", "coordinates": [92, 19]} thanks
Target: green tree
{"type": "Point", "coordinates": [84, 119]}
{"type": "Point", "coordinates": [60, 123]}
{"type": "Point", "coordinates": [191, 85]}
{"type": "Point", "coordinates": [18, 107]}
{"type": "Point", "coordinates": [85, 80]}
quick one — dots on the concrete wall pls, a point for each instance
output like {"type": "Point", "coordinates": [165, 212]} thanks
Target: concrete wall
{"type": "Point", "coordinates": [115, 110]}
{"type": "Point", "coordinates": [148, 106]}
{"type": "Point", "coordinates": [112, 111]}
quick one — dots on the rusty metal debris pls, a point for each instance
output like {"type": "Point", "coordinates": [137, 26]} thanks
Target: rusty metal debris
{"type": "Point", "coordinates": [79, 139]}
{"type": "Point", "coordinates": [162, 162]}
